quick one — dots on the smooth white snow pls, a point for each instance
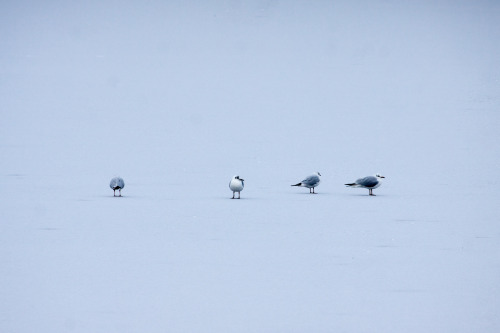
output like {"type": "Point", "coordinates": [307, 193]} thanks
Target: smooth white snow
{"type": "Point", "coordinates": [176, 98]}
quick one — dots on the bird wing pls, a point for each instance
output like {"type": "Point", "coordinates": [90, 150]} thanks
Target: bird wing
{"type": "Point", "coordinates": [311, 180]}
{"type": "Point", "coordinates": [117, 182]}
{"type": "Point", "coordinates": [369, 181]}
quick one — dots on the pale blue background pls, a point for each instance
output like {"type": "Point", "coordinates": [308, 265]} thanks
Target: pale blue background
{"type": "Point", "coordinates": [176, 97]}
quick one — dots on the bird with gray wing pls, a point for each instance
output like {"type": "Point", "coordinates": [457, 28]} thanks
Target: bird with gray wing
{"type": "Point", "coordinates": [370, 183]}
{"type": "Point", "coordinates": [310, 182]}
{"type": "Point", "coordinates": [117, 183]}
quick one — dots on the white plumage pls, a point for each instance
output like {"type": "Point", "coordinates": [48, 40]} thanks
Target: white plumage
{"type": "Point", "coordinates": [236, 185]}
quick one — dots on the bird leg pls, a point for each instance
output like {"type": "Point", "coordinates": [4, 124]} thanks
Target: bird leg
{"type": "Point", "coordinates": [371, 192]}
{"type": "Point", "coordinates": [239, 195]}
{"type": "Point", "coordinates": [233, 195]}
{"type": "Point", "coordinates": [114, 193]}
{"type": "Point", "coordinates": [120, 191]}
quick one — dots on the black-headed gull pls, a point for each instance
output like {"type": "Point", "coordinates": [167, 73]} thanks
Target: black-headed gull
{"type": "Point", "coordinates": [370, 182]}
{"type": "Point", "coordinates": [310, 182]}
{"type": "Point", "coordinates": [236, 185]}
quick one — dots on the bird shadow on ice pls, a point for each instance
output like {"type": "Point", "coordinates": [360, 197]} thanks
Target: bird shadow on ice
{"type": "Point", "coordinates": [49, 229]}
{"type": "Point", "coordinates": [317, 193]}
{"type": "Point", "coordinates": [236, 199]}
{"type": "Point", "coordinates": [117, 197]}
{"type": "Point", "coordinates": [366, 195]}
{"type": "Point", "coordinates": [321, 194]}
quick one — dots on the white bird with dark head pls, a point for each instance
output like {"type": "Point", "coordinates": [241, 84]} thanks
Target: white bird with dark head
{"type": "Point", "coordinates": [236, 185]}
{"type": "Point", "coordinates": [310, 182]}
{"type": "Point", "coordinates": [370, 183]}
{"type": "Point", "coordinates": [117, 183]}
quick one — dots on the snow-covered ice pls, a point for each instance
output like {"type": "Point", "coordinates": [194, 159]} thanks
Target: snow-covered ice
{"type": "Point", "coordinates": [176, 97]}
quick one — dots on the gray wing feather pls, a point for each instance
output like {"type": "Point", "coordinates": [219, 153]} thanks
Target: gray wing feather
{"type": "Point", "coordinates": [117, 182]}
{"type": "Point", "coordinates": [311, 180]}
{"type": "Point", "coordinates": [369, 181]}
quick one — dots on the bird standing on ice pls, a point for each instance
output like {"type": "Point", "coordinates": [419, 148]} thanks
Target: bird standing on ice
{"type": "Point", "coordinates": [310, 182]}
{"type": "Point", "coordinates": [236, 185]}
{"type": "Point", "coordinates": [117, 183]}
{"type": "Point", "coordinates": [370, 182]}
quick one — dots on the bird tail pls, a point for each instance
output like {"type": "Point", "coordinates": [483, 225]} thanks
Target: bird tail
{"type": "Point", "coordinates": [298, 184]}
{"type": "Point", "coordinates": [351, 184]}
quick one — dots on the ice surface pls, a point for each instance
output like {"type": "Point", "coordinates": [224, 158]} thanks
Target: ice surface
{"type": "Point", "coordinates": [176, 98]}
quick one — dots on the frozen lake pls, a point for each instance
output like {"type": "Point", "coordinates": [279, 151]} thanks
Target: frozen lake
{"type": "Point", "coordinates": [177, 99]}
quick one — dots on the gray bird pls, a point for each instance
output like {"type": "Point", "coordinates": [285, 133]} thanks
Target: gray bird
{"type": "Point", "coordinates": [310, 182]}
{"type": "Point", "coordinates": [370, 182]}
{"type": "Point", "coordinates": [117, 183]}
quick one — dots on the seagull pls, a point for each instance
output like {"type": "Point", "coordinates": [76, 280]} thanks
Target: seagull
{"type": "Point", "coordinates": [117, 183]}
{"type": "Point", "coordinates": [370, 182]}
{"type": "Point", "coordinates": [236, 185]}
{"type": "Point", "coordinates": [310, 182]}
